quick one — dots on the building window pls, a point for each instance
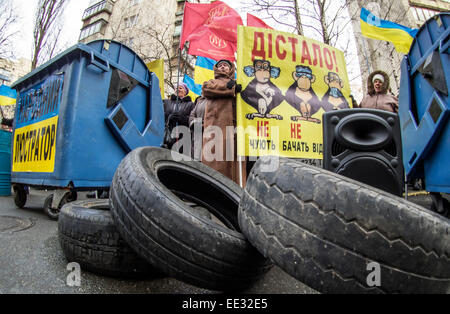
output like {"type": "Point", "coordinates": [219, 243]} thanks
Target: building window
{"type": "Point", "coordinates": [96, 8]}
{"type": "Point", "coordinates": [5, 75]}
{"type": "Point", "coordinates": [134, 2]}
{"type": "Point", "coordinates": [129, 42]}
{"type": "Point", "coordinates": [131, 21]}
{"type": "Point", "coordinates": [177, 31]}
{"type": "Point", "coordinates": [422, 15]}
{"type": "Point", "coordinates": [92, 29]}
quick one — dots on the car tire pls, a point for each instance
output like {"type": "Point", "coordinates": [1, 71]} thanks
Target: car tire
{"type": "Point", "coordinates": [182, 218]}
{"type": "Point", "coordinates": [89, 237]}
{"type": "Point", "coordinates": [338, 235]}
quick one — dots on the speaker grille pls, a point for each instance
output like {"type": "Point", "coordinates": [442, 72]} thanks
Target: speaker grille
{"type": "Point", "coordinates": [391, 149]}
{"type": "Point", "coordinates": [372, 171]}
{"type": "Point", "coordinates": [337, 149]}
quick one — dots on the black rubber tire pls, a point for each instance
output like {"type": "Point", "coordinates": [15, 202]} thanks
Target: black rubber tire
{"type": "Point", "coordinates": [174, 235]}
{"type": "Point", "coordinates": [20, 196]}
{"type": "Point", "coordinates": [440, 204]}
{"type": "Point", "coordinates": [324, 229]}
{"type": "Point", "coordinates": [89, 237]}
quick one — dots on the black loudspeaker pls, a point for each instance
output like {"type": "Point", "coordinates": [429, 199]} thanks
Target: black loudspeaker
{"type": "Point", "coordinates": [364, 145]}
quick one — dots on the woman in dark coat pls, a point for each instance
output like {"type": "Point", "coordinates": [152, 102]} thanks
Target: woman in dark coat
{"type": "Point", "coordinates": [176, 113]}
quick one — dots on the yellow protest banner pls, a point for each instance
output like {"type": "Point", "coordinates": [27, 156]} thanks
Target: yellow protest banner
{"type": "Point", "coordinates": [288, 82]}
{"type": "Point", "coordinates": [35, 147]}
{"type": "Point", "coordinates": [157, 67]}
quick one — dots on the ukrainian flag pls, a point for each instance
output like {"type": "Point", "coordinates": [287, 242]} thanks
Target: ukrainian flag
{"type": "Point", "coordinates": [373, 27]}
{"type": "Point", "coordinates": [7, 96]}
{"type": "Point", "coordinates": [195, 90]}
{"type": "Point", "coordinates": [204, 70]}
{"type": "Point", "coordinates": [157, 67]}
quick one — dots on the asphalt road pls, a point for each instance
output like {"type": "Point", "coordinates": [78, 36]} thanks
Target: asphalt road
{"type": "Point", "coordinates": [31, 261]}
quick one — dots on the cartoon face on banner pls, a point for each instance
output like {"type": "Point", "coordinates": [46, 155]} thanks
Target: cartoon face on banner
{"type": "Point", "coordinates": [261, 93]}
{"type": "Point", "coordinates": [288, 82]}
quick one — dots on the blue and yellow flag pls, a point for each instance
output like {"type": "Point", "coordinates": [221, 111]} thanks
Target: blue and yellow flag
{"type": "Point", "coordinates": [157, 67]}
{"type": "Point", "coordinates": [204, 70]}
{"type": "Point", "coordinates": [7, 96]}
{"type": "Point", "coordinates": [195, 90]}
{"type": "Point", "coordinates": [376, 28]}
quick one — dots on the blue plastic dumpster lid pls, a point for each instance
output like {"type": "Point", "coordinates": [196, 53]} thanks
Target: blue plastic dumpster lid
{"type": "Point", "coordinates": [107, 53]}
{"type": "Point", "coordinates": [424, 103]}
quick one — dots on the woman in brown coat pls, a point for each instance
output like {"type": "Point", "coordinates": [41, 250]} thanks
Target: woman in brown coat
{"type": "Point", "coordinates": [220, 113]}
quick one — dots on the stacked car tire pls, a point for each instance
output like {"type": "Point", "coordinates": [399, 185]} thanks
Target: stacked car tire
{"type": "Point", "coordinates": [181, 217]}
{"type": "Point", "coordinates": [338, 235]}
{"type": "Point", "coordinates": [187, 221]}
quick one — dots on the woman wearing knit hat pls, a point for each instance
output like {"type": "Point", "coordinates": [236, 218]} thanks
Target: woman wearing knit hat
{"type": "Point", "coordinates": [176, 113]}
{"type": "Point", "coordinates": [378, 95]}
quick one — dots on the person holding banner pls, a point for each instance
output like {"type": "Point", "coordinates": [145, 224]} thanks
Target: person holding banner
{"type": "Point", "coordinates": [219, 141]}
{"type": "Point", "coordinates": [176, 113]}
{"type": "Point", "coordinates": [378, 96]}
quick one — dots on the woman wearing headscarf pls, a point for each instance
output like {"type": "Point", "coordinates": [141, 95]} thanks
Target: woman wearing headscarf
{"type": "Point", "coordinates": [176, 112]}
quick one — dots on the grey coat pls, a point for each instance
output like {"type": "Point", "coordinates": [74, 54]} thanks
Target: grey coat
{"type": "Point", "coordinates": [196, 125]}
{"type": "Point", "coordinates": [198, 112]}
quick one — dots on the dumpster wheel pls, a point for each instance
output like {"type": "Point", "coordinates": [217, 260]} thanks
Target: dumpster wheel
{"type": "Point", "coordinates": [440, 204]}
{"type": "Point", "coordinates": [53, 213]}
{"type": "Point", "coordinates": [338, 235]}
{"type": "Point", "coordinates": [182, 218]}
{"type": "Point", "coordinates": [20, 195]}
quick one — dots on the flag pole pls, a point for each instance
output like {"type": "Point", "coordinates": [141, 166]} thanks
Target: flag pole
{"type": "Point", "coordinates": [240, 172]}
{"type": "Point", "coordinates": [178, 74]}
{"type": "Point", "coordinates": [180, 50]}
{"type": "Point", "coordinates": [241, 183]}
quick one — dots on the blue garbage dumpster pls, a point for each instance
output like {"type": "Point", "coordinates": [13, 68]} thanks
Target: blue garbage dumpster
{"type": "Point", "coordinates": [5, 163]}
{"type": "Point", "coordinates": [79, 114]}
{"type": "Point", "coordinates": [424, 105]}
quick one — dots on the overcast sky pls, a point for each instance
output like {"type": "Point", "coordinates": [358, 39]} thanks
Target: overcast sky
{"type": "Point", "coordinates": [72, 23]}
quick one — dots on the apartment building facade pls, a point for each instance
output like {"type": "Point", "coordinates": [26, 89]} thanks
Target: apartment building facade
{"type": "Point", "coordinates": [151, 28]}
{"type": "Point", "coordinates": [381, 55]}
{"type": "Point", "coordinates": [12, 70]}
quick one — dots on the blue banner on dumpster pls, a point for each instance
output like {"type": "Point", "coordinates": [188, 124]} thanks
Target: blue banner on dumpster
{"type": "Point", "coordinates": [36, 126]}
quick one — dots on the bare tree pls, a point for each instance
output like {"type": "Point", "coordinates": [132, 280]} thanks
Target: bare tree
{"type": "Point", "coordinates": [321, 19]}
{"type": "Point", "coordinates": [324, 20]}
{"type": "Point", "coordinates": [282, 12]}
{"type": "Point", "coordinates": [151, 39]}
{"type": "Point", "coordinates": [8, 20]}
{"type": "Point", "coordinates": [46, 30]}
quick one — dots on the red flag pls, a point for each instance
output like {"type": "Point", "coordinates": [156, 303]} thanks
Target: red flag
{"type": "Point", "coordinates": [211, 30]}
{"type": "Point", "coordinates": [213, 47]}
{"type": "Point", "coordinates": [256, 22]}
